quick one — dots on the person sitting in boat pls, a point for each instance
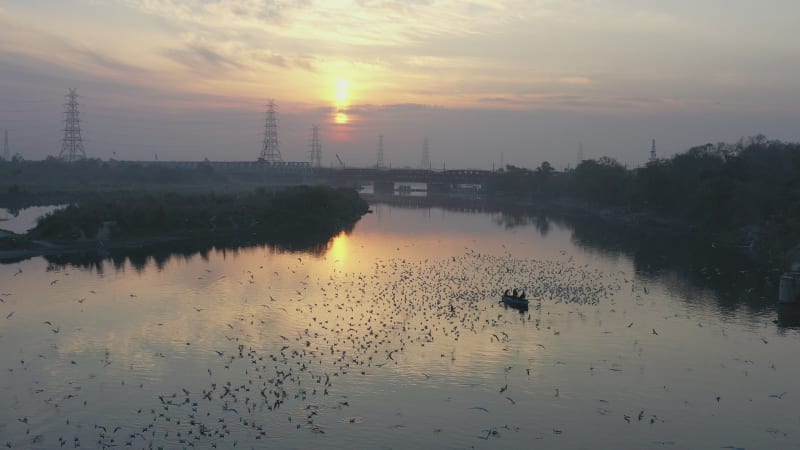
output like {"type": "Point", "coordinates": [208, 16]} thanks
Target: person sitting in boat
{"type": "Point", "coordinates": [522, 295]}
{"type": "Point", "coordinates": [506, 293]}
{"type": "Point", "coordinates": [514, 294]}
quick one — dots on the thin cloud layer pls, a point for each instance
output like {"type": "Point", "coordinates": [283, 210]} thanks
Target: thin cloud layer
{"type": "Point", "coordinates": [355, 64]}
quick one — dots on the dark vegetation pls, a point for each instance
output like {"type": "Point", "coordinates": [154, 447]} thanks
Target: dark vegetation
{"type": "Point", "coordinates": [159, 253]}
{"type": "Point", "coordinates": [298, 211]}
{"type": "Point", "coordinates": [745, 194]}
{"type": "Point", "coordinates": [129, 207]}
{"type": "Point", "coordinates": [14, 242]}
{"type": "Point", "coordinates": [97, 174]}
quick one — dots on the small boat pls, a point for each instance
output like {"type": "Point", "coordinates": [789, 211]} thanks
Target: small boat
{"type": "Point", "coordinates": [515, 301]}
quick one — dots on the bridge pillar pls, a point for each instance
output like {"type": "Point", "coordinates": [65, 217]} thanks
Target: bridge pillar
{"type": "Point", "coordinates": [383, 187]}
{"type": "Point", "coordinates": [438, 188]}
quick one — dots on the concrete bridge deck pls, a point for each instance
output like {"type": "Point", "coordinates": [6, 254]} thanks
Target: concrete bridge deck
{"type": "Point", "coordinates": [305, 172]}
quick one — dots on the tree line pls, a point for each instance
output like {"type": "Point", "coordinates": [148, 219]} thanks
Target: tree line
{"type": "Point", "coordinates": [753, 182]}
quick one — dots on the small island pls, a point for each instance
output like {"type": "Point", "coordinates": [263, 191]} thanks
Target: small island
{"type": "Point", "coordinates": [300, 216]}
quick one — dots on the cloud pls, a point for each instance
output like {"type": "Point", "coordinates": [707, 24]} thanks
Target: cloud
{"type": "Point", "coordinates": [577, 80]}
{"type": "Point", "coordinates": [373, 109]}
{"type": "Point", "coordinates": [109, 63]}
{"type": "Point", "coordinates": [200, 58]}
{"type": "Point", "coordinates": [27, 41]}
{"type": "Point", "coordinates": [598, 103]}
{"type": "Point", "coordinates": [506, 54]}
{"type": "Point", "coordinates": [353, 22]}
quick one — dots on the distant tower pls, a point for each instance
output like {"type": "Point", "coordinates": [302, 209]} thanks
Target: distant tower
{"type": "Point", "coordinates": [315, 155]}
{"type": "Point", "coordinates": [271, 151]}
{"type": "Point", "coordinates": [72, 144]}
{"type": "Point", "coordinates": [426, 155]}
{"type": "Point", "coordinates": [379, 164]}
{"type": "Point", "coordinates": [653, 156]}
{"type": "Point", "coordinates": [580, 153]}
{"type": "Point", "coordinates": [6, 149]}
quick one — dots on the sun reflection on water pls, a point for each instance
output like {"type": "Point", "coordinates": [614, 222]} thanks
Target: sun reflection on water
{"type": "Point", "coordinates": [338, 251]}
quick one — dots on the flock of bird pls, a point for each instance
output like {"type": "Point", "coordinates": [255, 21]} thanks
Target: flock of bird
{"type": "Point", "coordinates": [352, 324]}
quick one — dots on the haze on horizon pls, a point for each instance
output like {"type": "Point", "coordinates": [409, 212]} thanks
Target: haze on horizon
{"type": "Point", "coordinates": [487, 81]}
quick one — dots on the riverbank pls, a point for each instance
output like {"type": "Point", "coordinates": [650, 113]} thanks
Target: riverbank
{"type": "Point", "coordinates": [769, 244]}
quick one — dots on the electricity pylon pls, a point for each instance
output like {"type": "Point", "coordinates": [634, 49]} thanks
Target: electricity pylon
{"type": "Point", "coordinates": [72, 145]}
{"type": "Point", "coordinates": [271, 152]}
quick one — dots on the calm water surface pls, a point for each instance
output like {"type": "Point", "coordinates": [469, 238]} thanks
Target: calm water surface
{"type": "Point", "coordinates": [392, 337]}
{"type": "Point", "coordinates": [25, 219]}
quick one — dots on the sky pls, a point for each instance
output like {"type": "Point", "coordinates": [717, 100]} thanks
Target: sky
{"type": "Point", "coordinates": [488, 82]}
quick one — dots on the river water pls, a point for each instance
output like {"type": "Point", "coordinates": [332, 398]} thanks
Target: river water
{"type": "Point", "coordinates": [392, 337]}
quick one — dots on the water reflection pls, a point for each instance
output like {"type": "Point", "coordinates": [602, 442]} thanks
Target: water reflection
{"type": "Point", "coordinates": [20, 220]}
{"type": "Point", "coordinates": [788, 316]}
{"type": "Point", "coordinates": [393, 336]}
{"type": "Point", "coordinates": [522, 309]}
{"type": "Point", "coordinates": [694, 267]}
{"type": "Point", "coordinates": [140, 256]}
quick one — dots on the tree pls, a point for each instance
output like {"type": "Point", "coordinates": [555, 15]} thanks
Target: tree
{"type": "Point", "coordinates": [545, 169]}
{"type": "Point", "coordinates": [603, 181]}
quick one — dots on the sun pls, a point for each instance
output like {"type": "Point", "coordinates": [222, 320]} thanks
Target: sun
{"type": "Point", "coordinates": [341, 118]}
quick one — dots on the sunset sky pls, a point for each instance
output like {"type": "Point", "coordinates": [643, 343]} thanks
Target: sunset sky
{"type": "Point", "coordinates": [488, 81]}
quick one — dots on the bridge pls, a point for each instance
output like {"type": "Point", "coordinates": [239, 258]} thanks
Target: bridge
{"type": "Point", "coordinates": [230, 166]}
{"type": "Point", "coordinates": [257, 172]}
{"type": "Point", "coordinates": [383, 180]}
